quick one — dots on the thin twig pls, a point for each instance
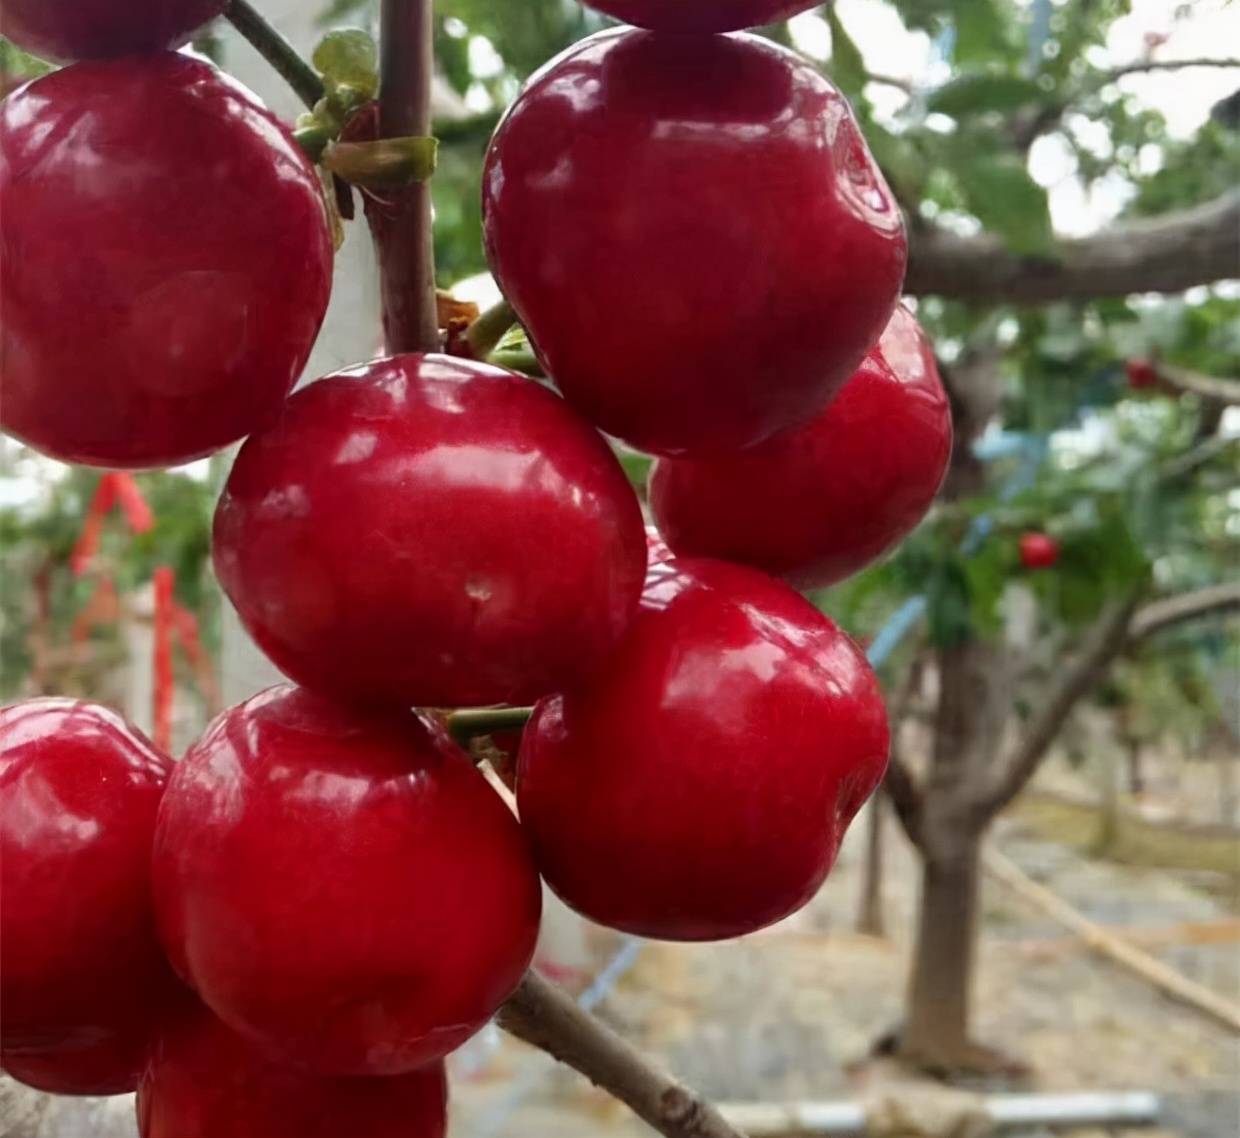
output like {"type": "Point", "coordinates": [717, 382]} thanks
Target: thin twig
{"type": "Point", "coordinates": [540, 1013]}
{"type": "Point", "coordinates": [1207, 386]}
{"type": "Point", "coordinates": [276, 50]}
{"type": "Point", "coordinates": [464, 725]}
{"type": "Point", "coordinates": [1117, 628]}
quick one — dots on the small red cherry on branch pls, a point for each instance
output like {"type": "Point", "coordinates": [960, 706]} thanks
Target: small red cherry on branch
{"type": "Point", "coordinates": [693, 233]}
{"type": "Point", "coordinates": [1142, 374]}
{"type": "Point", "coordinates": [700, 15]}
{"type": "Point", "coordinates": [167, 262]}
{"type": "Point", "coordinates": [204, 1081]}
{"type": "Point", "coordinates": [65, 30]}
{"type": "Point", "coordinates": [82, 978]}
{"type": "Point", "coordinates": [700, 786]}
{"type": "Point", "coordinates": [818, 503]}
{"type": "Point", "coordinates": [345, 891]}
{"type": "Point", "coordinates": [430, 531]}
{"type": "Point", "coordinates": [1038, 550]}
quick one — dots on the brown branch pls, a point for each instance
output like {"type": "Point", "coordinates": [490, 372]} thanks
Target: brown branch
{"type": "Point", "coordinates": [1169, 253]}
{"type": "Point", "coordinates": [1207, 386]}
{"type": "Point", "coordinates": [401, 221]}
{"type": "Point", "coordinates": [899, 783]}
{"type": "Point", "coordinates": [542, 1014]}
{"type": "Point", "coordinates": [1138, 65]}
{"type": "Point", "coordinates": [1157, 615]}
{"type": "Point", "coordinates": [1027, 128]}
{"type": "Point", "coordinates": [1119, 626]}
{"type": "Point", "coordinates": [906, 797]}
{"type": "Point", "coordinates": [1103, 643]}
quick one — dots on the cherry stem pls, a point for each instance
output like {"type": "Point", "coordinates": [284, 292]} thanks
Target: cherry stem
{"type": "Point", "coordinates": [517, 359]}
{"type": "Point", "coordinates": [466, 725]}
{"type": "Point", "coordinates": [401, 224]}
{"type": "Point", "coordinates": [489, 328]}
{"type": "Point", "coordinates": [276, 50]}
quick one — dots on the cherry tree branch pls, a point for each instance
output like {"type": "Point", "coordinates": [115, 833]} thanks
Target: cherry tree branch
{"type": "Point", "coordinates": [1033, 124]}
{"type": "Point", "coordinates": [899, 783]}
{"type": "Point", "coordinates": [1169, 253]}
{"type": "Point", "coordinates": [276, 50]}
{"type": "Point", "coordinates": [1119, 626]}
{"type": "Point", "coordinates": [1207, 386]}
{"type": "Point", "coordinates": [401, 220]}
{"type": "Point", "coordinates": [1139, 65]}
{"type": "Point", "coordinates": [1160, 614]}
{"type": "Point", "coordinates": [540, 1013]}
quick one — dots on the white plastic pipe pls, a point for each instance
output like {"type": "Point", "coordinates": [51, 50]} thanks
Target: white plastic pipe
{"type": "Point", "coordinates": [1007, 1112]}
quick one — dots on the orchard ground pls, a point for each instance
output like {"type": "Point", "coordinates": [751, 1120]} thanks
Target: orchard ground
{"type": "Point", "coordinates": [792, 1013]}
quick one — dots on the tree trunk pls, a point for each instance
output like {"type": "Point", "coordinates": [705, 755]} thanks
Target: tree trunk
{"type": "Point", "coordinates": [936, 1032]}
{"type": "Point", "coordinates": [1136, 769]}
{"type": "Point", "coordinates": [870, 914]}
{"type": "Point", "coordinates": [1227, 797]}
{"type": "Point", "coordinates": [1110, 816]}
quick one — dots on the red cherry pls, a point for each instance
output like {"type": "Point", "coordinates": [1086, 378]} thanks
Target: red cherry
{"type": "Point", "coordinates": [430, 531]}
{"type": "Point", "coordinates": [700, 787]}
{"type": "Point", "coordinates": [97, 29]}
{"type": "Point", "coordinates": [82, 977]}
{"type": "Point", "coordinates": [819, 502]}
{"type": "Point", "coordinates": [347, 892]}
{"type": "Point", "coordinates": [203, 1081]}
{"type": "Point", "coordinates": [1038, 550]}
{"type": "Point", "coordinates": [166, 262]}
{"type": "Point", "coordinates": [1141, 374]}
{"type": "Point", "coordinates": [700, 15]}
{"type": "Point", "coordinates": [694, 235]}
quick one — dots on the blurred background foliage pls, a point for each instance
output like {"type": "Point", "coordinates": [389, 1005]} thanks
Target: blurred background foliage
{"type": "Point", "coordinates": [1106, 472]}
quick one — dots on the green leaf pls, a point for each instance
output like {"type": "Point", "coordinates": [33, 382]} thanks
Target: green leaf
{"type": "Point", "coordinates": [981, 30]}
{"type": "Point", "coordinates": [847, 67]}
{"type": "Point", "coordinates": [998, 190]}
{"type": "Point", "coordinates": [348, 58]}
{"type": "Point", "coordinates": [980, 92]}
{"type": "Point", "coordinates": [898, 158]}
{"type": "Point", "coordinates": [949, 606]}
{"type": "Point", "coordinates": [338, 9]}
{"type": "Point", "coordinates": [18, 65]}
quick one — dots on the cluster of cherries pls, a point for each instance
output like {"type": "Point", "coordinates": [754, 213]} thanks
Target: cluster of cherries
{"type": "Point", "coordinates": [287, 930]}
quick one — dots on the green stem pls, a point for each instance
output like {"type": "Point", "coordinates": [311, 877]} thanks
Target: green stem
{"type": "Point", "coordinates": [517, 359]}
{"type": "Point", "coordinates": [465, 725]}
{"type": "Point", "coordinates": [489, 328]}
{"type": "Point", "coordinates": [276, 50]}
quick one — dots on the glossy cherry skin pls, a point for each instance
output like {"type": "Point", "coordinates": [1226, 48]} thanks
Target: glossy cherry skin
{"type": "Point", "coordinates": [1038, 550]}
{"type": "Point", "coordinates": [346, 891]}
{"type": "Point", "coordinates": [699, 788]}
{"type": "Point", "coordinates": [101, 29]}
{"type": "Point", "coordinates": [1141, 374]}
{"type": "Point", "coordinates": [204, 1081]}
{"type": "Point", "coordinates": [819, 502]}
{"type": "Point", "coordinates": [700, 15]}
{"type": "Point", "coordinates": [694, 235]}
{"type": "Point", "coordinates": [430, 531]}
{"type": "Point", "coordinates": [166, 262]}
{"type": "Point", "coordinates": [82, 977]}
